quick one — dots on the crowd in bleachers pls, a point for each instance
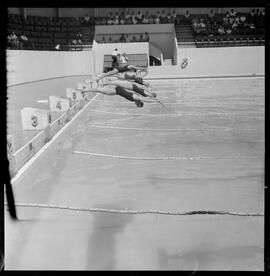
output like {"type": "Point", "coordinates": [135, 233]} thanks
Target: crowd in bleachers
{"type": "Point", "coordinates": [134, 18]}
{"type": "Point", "coordinates": [230, 23]}
{"type": "Point", "coordinates": [125, 38]}
{"type": "Point", "coordinates": [36, 32]}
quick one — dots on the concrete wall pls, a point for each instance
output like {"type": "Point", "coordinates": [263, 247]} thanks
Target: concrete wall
{"type": "Point", "coordinates": [208, 62]}
{"type": "Point", "coordinates": [50, 12]}
{"type": "Point", "coordinates": [28, 66]}
{"type": "Point", "coordinates": [100, 50]}
{"type": "Point", "coordinates": [161, 35]}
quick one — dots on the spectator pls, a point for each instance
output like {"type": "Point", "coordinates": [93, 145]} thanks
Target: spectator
{"type": "Point", "coordinates": [127, 17]}
{"type": "Point", "coordinates": [221, 30]}
{"type": "Point", "coordinates": [211, 14]}
{"type": "Point", "coordinates": [139, 17]}
{"type": "Point", "coordinates": [122, 20]}
{"type": "Point", "coordinates": [158, 15]}
{"type": "Point", "coordinates": [141, 39]}
{"type": "Point", "coordinates": [103, 40]}
{"type": "Point", "coordinates": [156, 20]}
{"type": "Point", "coordinates": [134, 20]}
{"type": "Point", "coordinates": [103, 21]}
{"type": "Point", "coordinates": [114, 56]}
{"type": "Point", "coordinates": [252, 26]}
{"type": "Point", "coordinates": [123, 59]}
{"type": "Point", "coordinates": [232, 13]}
{"type": "Point", "coordinates": [134, 39]}
{"type": "Point", "coordinates": [252, 13]}
{"type": "Point", "coordinates": [116, 16]}
{"type": "Point", "coordinates": [111, 16]}
{"type": "Point", "coordinates": [231, 20]}
{"type": "Point", "coordinates": [9, 41]}
{"type": "Point", "coordinates": [228, 31]}
{"type": "Point", "coordinates": [163, 17]}
{"type": "Point", "coordinates": [79, 35]}
{"type": "Point", "coordinates": [174, 16]}
{"type": "Point", "coordinates": [169, 18]}
{"type": "Point", "coordinates": [25, 41]}
{"type": "Point", "coordinates": [151, 19]}
{"type": "Point", "coordinates": [86, 19]}
{"type": "Point", "coordinates": [187, 17]}
{"type": "Point", "coordinates": [115, 21]}
{"type": "Point", "coordinates": [110, 40]}
{"type": "Point", "coordinates": [109, 21]}
{"type": "Point", "coordinates": [146, 37]}
{"type": "Point", "coordinates": [14, 41]}
{"type": "Point", "coordinates": [122, 38]}
{"type": "Point", "coordinates": [127, 38]}
{"type": "Point", "coordinates": [145, 19]}
{"type": "Point", "coordinates": [234, 25]}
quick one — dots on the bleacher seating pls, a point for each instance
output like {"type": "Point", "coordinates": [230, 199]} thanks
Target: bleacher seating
{"type": "Point", "coordinates": [44, 33]}
{"type": "Point", "coordinates": [133, 59]}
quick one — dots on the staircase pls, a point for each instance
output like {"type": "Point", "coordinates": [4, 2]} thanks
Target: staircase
{"type": "Point", "coordinates": [184, 35]}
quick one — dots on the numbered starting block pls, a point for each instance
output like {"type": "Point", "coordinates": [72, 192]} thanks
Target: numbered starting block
{"type": "Point", "coordinates": [59, 103]}
{"type": "Point", "coordinates": [10, 146]}
{"type": "Point", "coordinates": [35, 119]}
{"type": "Point", "coordinates": [74, 95]}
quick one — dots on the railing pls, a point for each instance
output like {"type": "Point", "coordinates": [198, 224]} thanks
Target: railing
{"type": "Point", "coordinates": [25, 153]}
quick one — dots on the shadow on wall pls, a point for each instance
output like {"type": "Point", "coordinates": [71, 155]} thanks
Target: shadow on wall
{"type": "Point", "coordinates": [102, 244]}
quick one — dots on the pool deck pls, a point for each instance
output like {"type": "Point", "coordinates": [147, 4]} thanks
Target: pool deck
{"type": "Point", "coordinates": [204, 151]}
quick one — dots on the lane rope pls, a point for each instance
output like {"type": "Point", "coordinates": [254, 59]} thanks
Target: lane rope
{"type": "Point", "coordinates": [163, 158]}
{"type": "Point", "coordinates": [136, 212]}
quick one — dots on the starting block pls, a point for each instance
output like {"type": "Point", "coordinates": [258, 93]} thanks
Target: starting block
{"type": "Point", "coordinates": [34, 118]}
{"type": "Point", "coordinates": [74, 95]}
{"type": "Point", "coordinates": [59, 103]}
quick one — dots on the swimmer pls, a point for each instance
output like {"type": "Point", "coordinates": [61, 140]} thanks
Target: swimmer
{"type": "Point", "coordinates": [119, 69]}
{"type": "Point", "coordinates": [140, 89]}
{"type": "Point", "coordinates": [125, 93]}
{"type": "Point", "coordinates": [136, 77]}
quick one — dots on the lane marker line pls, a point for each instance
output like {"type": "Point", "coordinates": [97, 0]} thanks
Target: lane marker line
{"type": "Point", "coordinates": [179, 114]}
{"type": "Point", "coordinates": [23, 169]}
{"type": "Point", "coordinates": [136, 212]}
{"type": "Point", "coordinates": [162, 158]}
{"type": "Point", "coordinates": [175, 129]}
{"type": "Point", "coordinates": [183, 102]}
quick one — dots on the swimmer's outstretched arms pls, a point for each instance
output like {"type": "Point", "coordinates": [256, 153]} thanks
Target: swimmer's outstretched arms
{"type": "Point", "coordinates": [125, 93]}
{"type": "Point", "coordinates": [120, 69]}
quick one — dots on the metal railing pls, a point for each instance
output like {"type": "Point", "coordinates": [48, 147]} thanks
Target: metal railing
{"type": "Point", "coordinates": [25, 153]}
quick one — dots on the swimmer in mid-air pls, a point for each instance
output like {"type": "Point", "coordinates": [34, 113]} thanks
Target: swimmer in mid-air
{"type": "Point", "coordinates": [125, 93]}
{"type": "Point", "coordinates": [120, 69]}
{"type": "Point", "coordinates": [138, 88]}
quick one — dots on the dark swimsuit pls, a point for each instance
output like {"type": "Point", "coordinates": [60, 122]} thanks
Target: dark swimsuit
{"type": "Point", "coordinates": [124, 93]}
{"type": "Point", "coordinates": [124, 68]}
{"type": "Point", "coordinates": [138, 90]}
